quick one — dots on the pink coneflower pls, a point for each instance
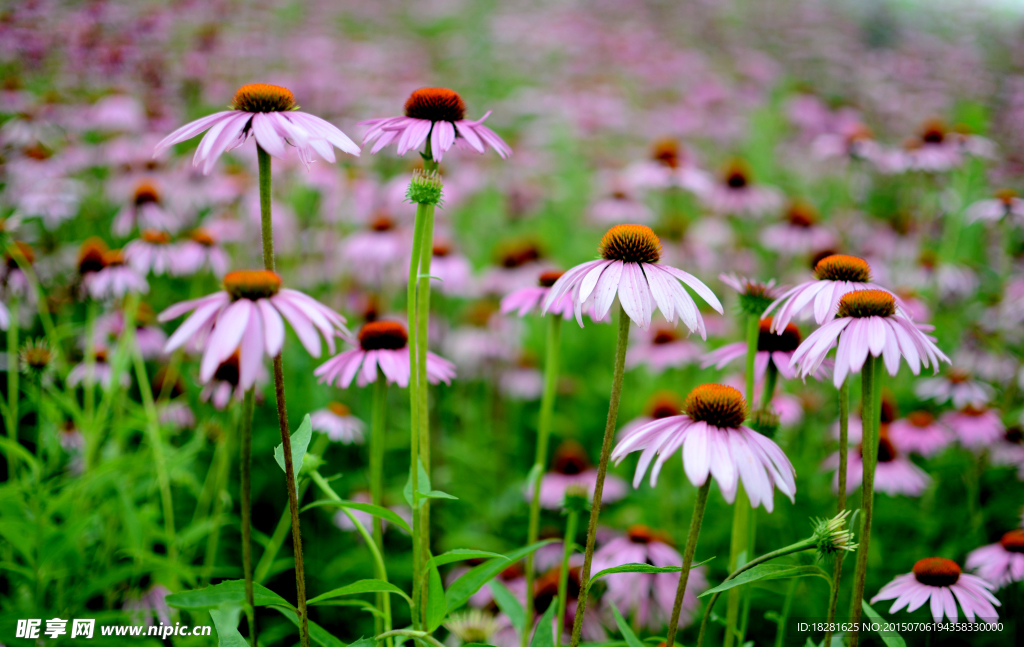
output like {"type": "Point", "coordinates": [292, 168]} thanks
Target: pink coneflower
{"type": "Point", "coordinates": [920, 433]}
{"type": "Point", "coordinates": [572, 468]}
{"type": "Point", "coordinates": [941, 582]}
{"type": "Point", "coordinates": [437, 113]}
{"type": "Point", "coordinates": [975, 428]}
{"type": "Point", "coordinates": [528, 300]}
{"type": "Point", "coordinates": [868, 323]}
{"type": "Point", "coordinates": [99, 371]}
{"type": "Point", "coordinates": [854, 141]}
{"type": "Point", "coordinates": [736, 194]}
{"type": "Point", "coordinates": [13, 281]}
{"type": "Point", "coordinates": [71, 439]}
{"type": "Point", "coordinates": [268, 113]}
{"type": "Point", "coordinates": [115, 279]}
{"type": "Point", "coordinates": [453, 271]}
{"type": "Point", "coordinates": [523, 380]}
{"type": "Point", "coordinates": [629, 269]}
{"type": "Point", "coordinates": [714, 442]}
{"type": "Point", "coordinates": [383, 345]}
{"type": "Point", "coordinates": [200, 250]}
{"type": "Point", "coordinates": [225, 384]}
{"type": "Point", "coordinates": [1005, 204]}
{"type": "Point", "coordinates": [336, 420]}
{"type": "Point", "coordinates": [1001, 563]}
{"type": "Point", "coordinates": [933, 150]}
{"type": "Point", "coordinates": [151, 252]}
{"type": "Point", "coordinates": [670, 165]}
{"type": "Point", "coordinates": [663, 347]}
{"type": "Point", "coordinates": [177, 415]}
{"type": "Point", "coordinates": [648, 595]}
{"type": "Point", "coordinates": [620, 205]}
{"type": "Point", "coordinates": [146, 606]}
{"type": "Point", "coordinates": [519, 262]}
{"type": "Point", "coordinates": [149, 338]}
{"type": "Point", "coordinates": [895, 474]}
{"type": "Point", "coordinates": [662, 404]}
{"type": "Point", "coordinates": [835, 276]}
{"type": "Point", "coordinates": [247, 317]}
{"type": "Point", "coordinates": [773, 349]}
{"type": "Point", "coordinates": [375, 255]}
{"type": "Point", "coordinates": [957, 386]}
{"type": "Point", "coordinates": [146, 210]}
{"type": "Point", "coordinates": [800, 234]}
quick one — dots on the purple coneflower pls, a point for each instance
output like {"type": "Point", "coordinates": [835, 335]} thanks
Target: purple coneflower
{"type": "Point", "coordinates": [800, 234]}
{"type": "Point", "coordinates": [437, 113]}
{"type": "Point", "coordinates": [572, 468]}
{"type": "Point", "coordinates": [247, 317]}
{"type": "Point", "coordinates": [1001, 563]}
{"type": "Point", "coordinates": [629, 269]}
{"type": "Point", "coordinates": [146, 210]}
{"type": "Point", "coordinates": [374, 255]}
{"type": "Point", "coordinates": [957, 386]}
{"type": "Point", "coordinates": [620, 205]}
{"type": "Point", "coordinates": [868, 323]}
{"type": "Point", "coordinates": [150, 252]}
{"type": "Point", "coordinates": [382, 344]}
{"type": "Point", "coordinates": [115, 279]}
{"type": "Point", "coordinates": [774, 349]}
{"type": "Point", "coordinates": [648, 595]}
{"type": "Point", "coordinates": [225, 384]}
{"type": "Point", "coordinates": [99, 371]}
{"type": "Point", "coordinates": [268, 113]}
{"type": "Point", "coordinates": [663, 404]}
{"type": "Point", "coordinates": [933, 150]}
{"type": "Point", "coordinates": [895, 474]}
{"type": "Point", "coordinates": [529, 299]}
{"type": "Point", "coordinates": [201, 249]}
{"type": "Point", "coordinates": [149, 338]}
{"type": "Point", "coordinates": [919, 433]}
{"type": "Point", "coordinates": [336, 420]}
{"type": "Point", "coordinates": [1005, 205]}
{"type": "Point", "coordinates": [663, 347]}
{"type": "Point", "coordinates": [939, 580]}
{"type": "Point", "coordinates": [670, 165]}
{"type": "Point", "coordinates": [975, 427]}
{"type": "Point", "coordinates": [714, 442]}
{"type": "Point", "coordinates": [453, 271]}
{"type": "Point", "coordinates": [736, 194]}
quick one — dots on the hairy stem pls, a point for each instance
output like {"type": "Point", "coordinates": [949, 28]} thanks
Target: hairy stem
{"type": "Point", "coordinates": [380, 403]}
{"type": "Point", "coordinates": [837, 571]}
{"type": "Point", "coordinates": [688, 552]}
{"type": "Point", "coordinates": [571, 524]}
{"type": "Point", "coordinates": [423, 394]}
{"type": "Point", "coordinates": [12, 385]}
{"type": "Point", "coordinates": [245, 460]}
{"type": "Point", "coordinates": [871, 394]}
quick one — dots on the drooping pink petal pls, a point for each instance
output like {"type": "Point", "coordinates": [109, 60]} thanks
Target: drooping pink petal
{"type": "Point", "coordinates": [188, 131]}
{"type": "Point", "coordinates": [227, 333]}
{"type": "Point", "coordinates": [251, 351]}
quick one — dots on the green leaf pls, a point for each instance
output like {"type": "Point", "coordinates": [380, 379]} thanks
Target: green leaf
{"type": "Point", "coordinates": [641, 568]}
{"type": "Point", "coordinates": [360, 604]}
{"type": "Point", "coordinates": [300, 442]}
{"type": "Point", "coordinates": [437, 606]}
{"type": "Point", "coordinates": [362, 586]}
{"type": "Point", "coordinates": [509, 605]}
{"type": "Point", "coordinates": [544, 635]}
{"type": "Point", "coordinates": [318, 634]}
{"type": "Point", "coordinates": [890, 638]}
{"type": "Point", "coordinates": [464, 587]}
{"type": "Point", "coordinates": [460, 554]}
{"type": "Point", "coordinates": [437, 494]}
{"type": "Point", "coordinates": [375, 510]}
{"type": "Point", "coordinates": [226, 622]}
{"type": "Point", "coordinates": [769, 572]}
{"type": "Point", "coordinates": [425, 491]}
{"type": "Point", "coordinates": [230, 592]}
{"type": "Point", "coordinates": [624, 629]}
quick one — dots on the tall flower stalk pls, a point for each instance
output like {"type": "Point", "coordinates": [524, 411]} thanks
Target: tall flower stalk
{"type": "Point", "coordinates": [245, 461]}
{"type": "Point", "coordinates": [844, 435]}
{"type": "Point", "coordinates": [12, 383]}
{"type": "Point", "coordinates": [378, 415]}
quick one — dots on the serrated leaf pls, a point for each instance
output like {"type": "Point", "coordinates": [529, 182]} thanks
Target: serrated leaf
{"type": "Point", "coordinates": [362, 586]}
{"type": "Point", "coordinates": [377, 511]}
{"type": "Point", "coordinates": [318, 634]}
{"type": "Point", "coordinates": [226, 622]}
{"type": "Point", "coordinates": [544, 635]}
{"type": "Point", "coordinates": [300, 443]}
{"type": "Point", "coordinates": [624, 629]}
{"type": "Point", "coordinates": [464, 587]}
{"type": "Point", "coordinates": [437, 606]}
{"type": "Point", "coordinates": [763, 572]}
{"type": "Point", "coordinates": [460, 554]}
{"type": "Point", "coordinates": [890, 638]}
{"type": "Point", "coordinates": [230, 592]}
{"type": "Point", "coordinates": [508, 604]}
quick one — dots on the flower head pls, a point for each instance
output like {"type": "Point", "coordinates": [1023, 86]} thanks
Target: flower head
{"type": "Point", "coordinates": [268, 113]}
{"type": "Point", "coordinates": [714, 442]}
{"type": "Point", "coordinates": [629, 269]}
{"type": "Point", "coordinates": [571, 471]}
{"type": "Point", "coordinates": [336, 420]}
{"type": "Point", "coordinates": [830, 536]}
{"type": "Point", "coordinates": [1001, 563]}
{"type": "Point", "coordinates": [36, 358]}
{"type": "Point", "coordinates": [383, 346]}
{"type": "Point", "coordinates": [940, 580]}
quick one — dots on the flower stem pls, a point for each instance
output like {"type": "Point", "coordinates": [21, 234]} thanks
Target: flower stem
{"type": "Point", "coordinates": [89, 396]}
{"type": "Point", "coordinates": [753, 330]}
{"type": "Point", "coordinates": [547, 409]}
{"type": "Point", "coordinates": [12, 385]}
{"type": "Point", "coordinates": [602, 469]}
{"type": "Point", "coordinates": [245, 458]}
{"type": "Point", "coordinates": [414, 443]}
{"type": "Point", "coordinates": [844, 429]}
{"type": "Point", "coordinates": [222, 472]}
{"type": "Point", "coordinates": [787, 605]}
{"type": "Point", "coordinates": [691, 548]}
{"type": "Point", "coordinates": [423, 392]}
{"type": "Point", "coordinates": [871, 394]}
{"type": "Point", "coordinates": [571, 523]}
{"type": "Point", "coordinates": [380, 402]}
{"type": "Point", "coordinates": [282, 410]}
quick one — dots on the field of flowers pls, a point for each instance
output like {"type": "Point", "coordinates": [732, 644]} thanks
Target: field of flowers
{"type": "Point", "coordinates": [523, 324]}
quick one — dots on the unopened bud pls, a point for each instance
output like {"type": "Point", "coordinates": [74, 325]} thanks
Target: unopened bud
{"type": "Point", "coordinates": [425, 187]}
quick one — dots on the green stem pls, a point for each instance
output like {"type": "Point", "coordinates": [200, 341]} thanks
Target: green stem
{"type": "Point", "coordinates": [414, 442]}
{"type": "Point", "coordinates": [691, 548]}
{"type": "Point", "coordinates": [419, 635]}
{"type": "Point", "coordinates": [837, 571]}
{"type": "Point", "coordinates": [771, 379]}
{"type": "Point", "coordinates": [380, 403]}
{"type": "Point", "coordinates": [245, 458]}
{"type": "Point", "coordinates": [753, 331]}
{"type": "Point", "coordinates": [282, 410]}
{"type": "Point", "coordinates": [805, 544]}
{"type": "Point", "coordinates": [89, 395]}
{"type": "Point", "coordinates": [12, 385]}
{"type": "Point", "coordinates": [571, 523]}
{"type": "Point", "coordinates": [602, 469]}
{"type": "Point", "coordinates": [547, 409]}
{"type": "Point", "coordinates": [787, 604]}
{"type": "Point", "coordinates": [222, 459]}
{"type": "Point", "coordinates": [378, 560]}
{"type": "Point", "coordinates": [871, 394]}
{"type": "Point", "coordinates": [423, 393]}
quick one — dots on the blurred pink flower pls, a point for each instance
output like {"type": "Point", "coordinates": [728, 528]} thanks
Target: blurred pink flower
{"type": "Point", "coordinates": [337, 421]}
{"type": "Point", "coordinates": [382, 345]}
{"type": "Point", "coordinates": [940, 580]}
{"type": "Point", "coordinates": [918, 433]}
{"type": "Point", "coordinates": [975, 428]}
{"type": "Point", "coordinates": [895, 474]}
{"type": "Point", "coordinates": [1001, 563]}
{"type": "Point", "coordinates": [572, 468]}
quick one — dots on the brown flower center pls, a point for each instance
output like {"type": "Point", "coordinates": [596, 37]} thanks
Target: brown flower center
{"type": "Point", "coordinates": [937, 571]}
{"type": "Point", "coordinates": [840, 267]}
{"type": "Point", "coordinates": [886, 450]}
{"type": "Point", "coordinates": [441, 250]}
{"type": "Point", "coordinates": [664, 336]}
{"type": "Point", "coordinates": [146, 193]}
{"type": "Point", "coordinates": [156, 237]}
{"type": "Point", "coordinates": [1006, 196]}
{"type": "Point", "coordinates": [382, 223]}
{"type": "Point", "coordinates": [24, 251]}
{"type": "Point", "coordinates": [203, 237]}
{"type": "Point", "coordinates": [974, 412]}
{"type": "Point", "coordinates": [641, 534]}
{"type": "Point", "coordinates": [867, 303]}
{"type": "Point", "coordinates": [571, 458]}
{"type": "Point", "coordinates": [252, 284]}
{"type": "Point", "coordinates": [802, 214]}
{"type": "Point", "coordinates": [515, 255]}
{"type": "Point", "coordinates": [162, 375]}
{"type": "Point", "coordinates": [549, 278]}
{"type": "Point", "coordinates": [668, 152]}
{"type": "Point", "coordinates": [933, 131]}
{"type": "Point", "coordinates": [716, 404]}
{"type": "Point", "coordinates": [737, 174]}
{"type": "Point", "coordinates": [665, 404]}
{"type": "Point", "coordinates": [339, 409]}
{"type": "Point", "coordinates": [90, 256]}
{"type": "Point", "coordinates": [435, 104]}
{"type": "Point", "coordinates": [383, 335]}
{"type": "Point", "coordinates": [113, 258]}
{"type": "Point", "coordinates": [772, 342]}
{"type": "Point", "coordinates": [263, 97]}
{"type": "Point", "coordinates": [630, 244]}
{"type": "Point", "coordinates": [920, 419]}
{"type": "Point", "coordinates": [958, 376]}
{"type": "Point", "coordinates": [1013, 541]}
{"type": "Point", "coordinates": [228, 370]}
